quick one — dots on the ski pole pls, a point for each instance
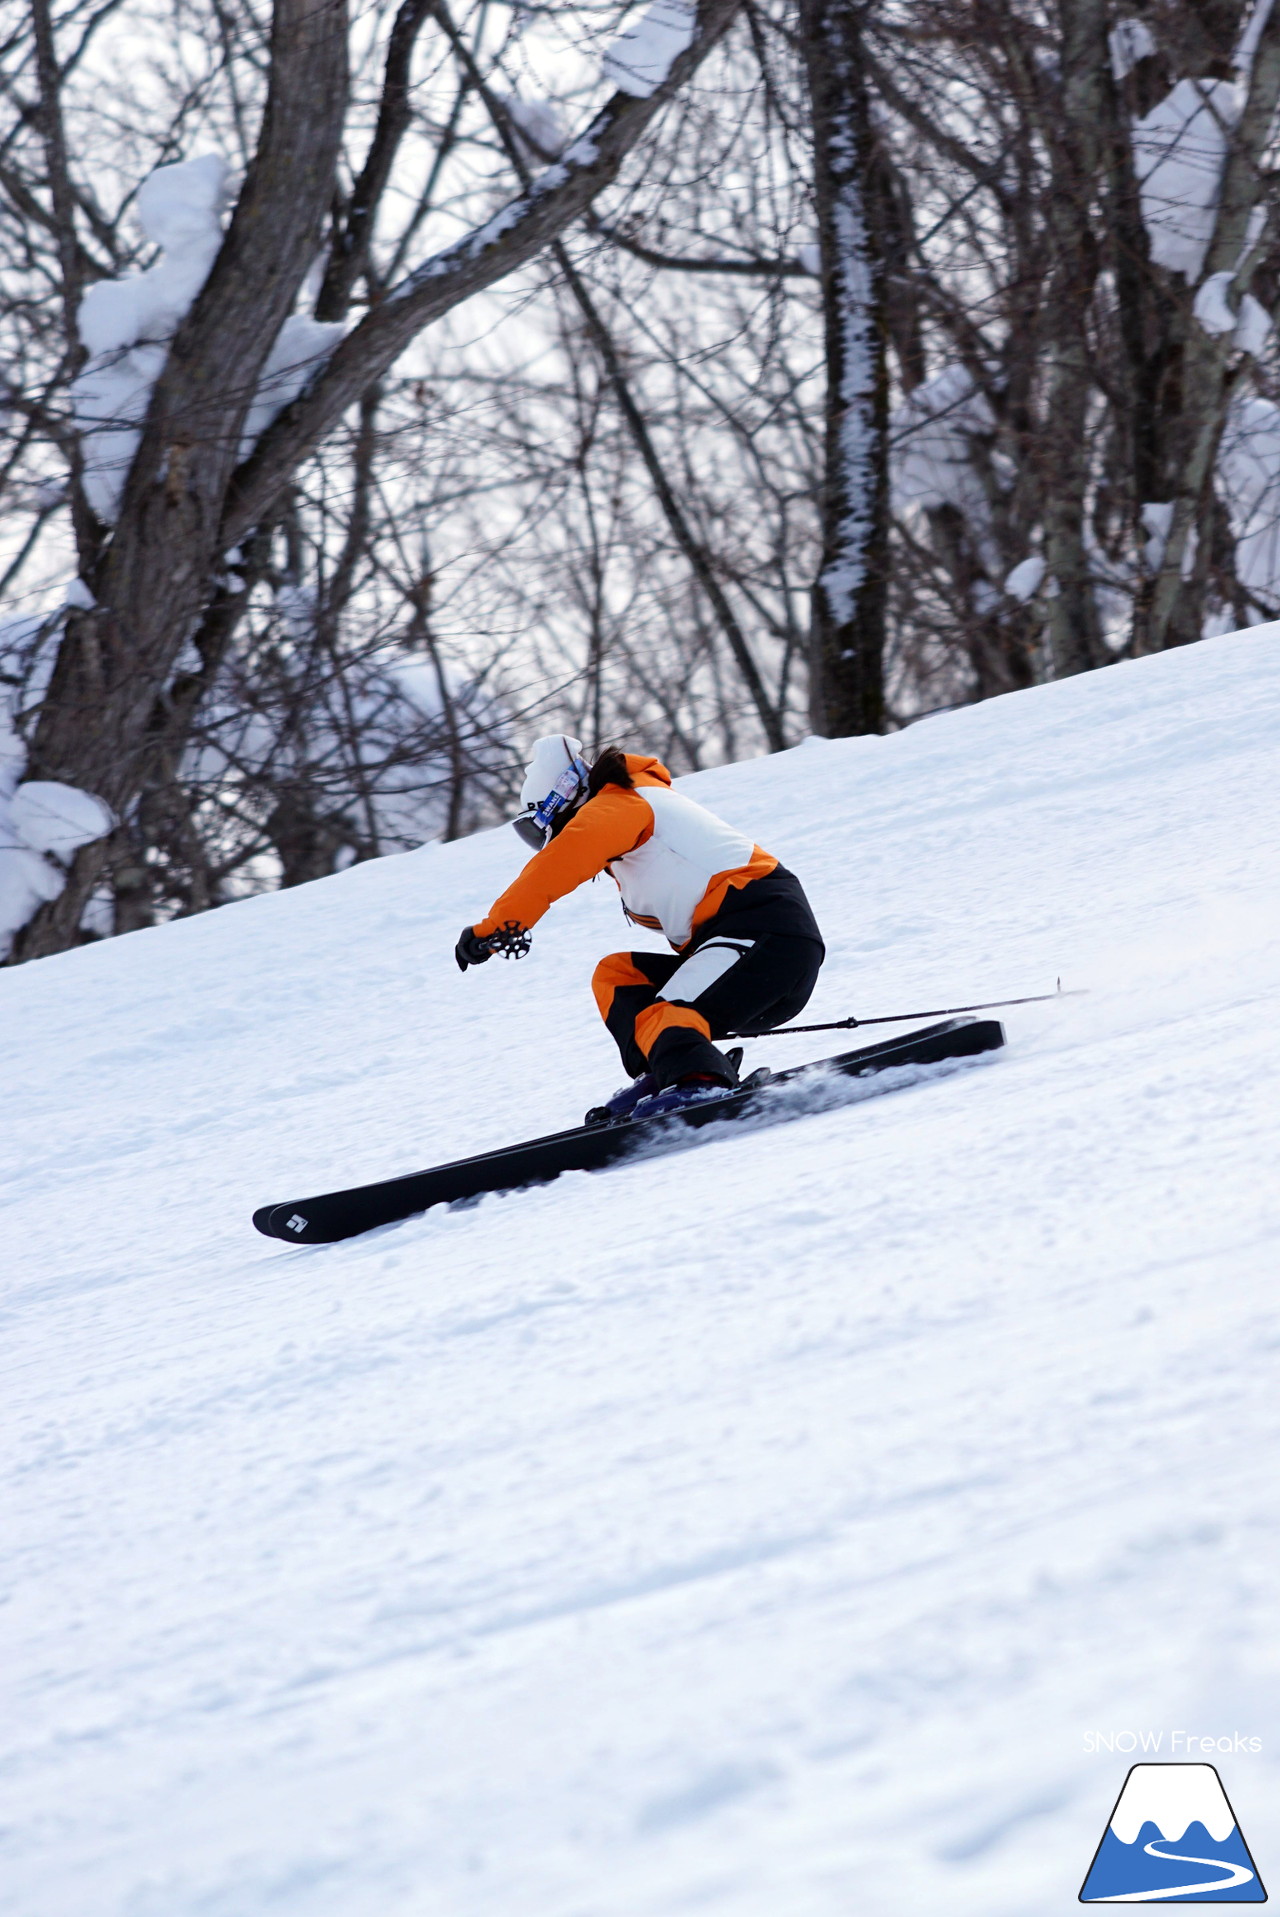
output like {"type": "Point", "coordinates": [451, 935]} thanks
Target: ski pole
{"type": "Point", "coordinates": [899, 1018]}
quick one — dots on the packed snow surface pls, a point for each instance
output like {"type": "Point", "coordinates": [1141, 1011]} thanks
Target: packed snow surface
{"type": "Point", "coordinates": [767, 1530]}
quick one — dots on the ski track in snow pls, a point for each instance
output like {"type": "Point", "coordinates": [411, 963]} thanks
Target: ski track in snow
{"type": "Point", "coordinates": [755, 1530]}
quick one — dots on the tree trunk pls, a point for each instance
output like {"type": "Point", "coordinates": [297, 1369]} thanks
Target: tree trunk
{"type": "Point", "coordinates": [1207, 369]}
{"type": "Point", "coordinates": [187, 499]}
{"type": "Point", "coordinates": [1073, 636]}
{"type": "Point", "coordinates": [153, 581]}
{"type": "Point", "coordinates": [850, 593]}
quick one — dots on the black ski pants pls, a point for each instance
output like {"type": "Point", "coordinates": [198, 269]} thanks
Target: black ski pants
{"type": "Point", "coordinates": [664, 1010]}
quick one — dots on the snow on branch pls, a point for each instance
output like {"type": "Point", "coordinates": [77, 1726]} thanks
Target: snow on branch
{"type": "Point", "coordinates": [1249, 476]}
{"type": "Point", "coordinates": [1026, 579]}
{"type": "Point", "coordinates": [1129, 41]}
{"type": "Point", "coordinates": [640, 59]}
{"type": "Point", "coordinates": [126, 326]}
{"type": "Point", "coordinates": [1179, 153]}
{"type": "Point", "coordinates": [42, 825]}
{"type": "Point", "coordinates": [1249, 327]}
{"type": "Point", "coordinates": [514, 236]}
{"type": "Point", "coordinates": [933, 433]}
{"type": "Point", "coordinates": [1259, 15]}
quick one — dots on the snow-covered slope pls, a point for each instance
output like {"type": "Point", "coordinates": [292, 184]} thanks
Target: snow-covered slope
{"type": "Point", "coordinates": [761, 1531]}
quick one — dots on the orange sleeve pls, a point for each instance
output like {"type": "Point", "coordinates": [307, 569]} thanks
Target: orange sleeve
{"type": "Point", "coordinates": [614, 822]}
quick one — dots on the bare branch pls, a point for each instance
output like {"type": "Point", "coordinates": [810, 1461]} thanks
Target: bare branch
{"type": "Point", "coordinates": [510, 240]}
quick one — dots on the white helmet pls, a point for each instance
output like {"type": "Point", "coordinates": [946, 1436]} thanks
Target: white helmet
{"type": "Point", "coordinates": [556, 778]}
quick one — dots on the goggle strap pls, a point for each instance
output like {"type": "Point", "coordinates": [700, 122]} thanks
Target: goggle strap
{"type": "Point", "coordinates": [562, 793]}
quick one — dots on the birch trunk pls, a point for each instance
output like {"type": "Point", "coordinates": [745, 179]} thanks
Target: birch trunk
{"type": "Point", "coordinates": [850, 593]}
{"type": "Point", "coordinates": [1073, 634]}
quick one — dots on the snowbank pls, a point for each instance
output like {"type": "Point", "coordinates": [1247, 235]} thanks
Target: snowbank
{"type": "Point", "coordinates": [771, 1528]}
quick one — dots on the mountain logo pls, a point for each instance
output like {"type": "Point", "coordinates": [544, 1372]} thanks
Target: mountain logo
{"type": "Point", "coordinates": [1172, 1839]}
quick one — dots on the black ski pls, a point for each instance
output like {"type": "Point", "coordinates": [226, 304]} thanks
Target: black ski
{"type": "Point", "coordinates": [344, 1214]}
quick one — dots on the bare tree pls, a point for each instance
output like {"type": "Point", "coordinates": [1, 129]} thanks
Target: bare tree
{"type": "Point", "coordinates": [189, 496]}
{"type": "Point", "coordinates": [1087, 200]}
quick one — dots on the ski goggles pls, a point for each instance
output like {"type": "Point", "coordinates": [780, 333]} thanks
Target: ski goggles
{"type": "Point", "coordinates": [534, 825]}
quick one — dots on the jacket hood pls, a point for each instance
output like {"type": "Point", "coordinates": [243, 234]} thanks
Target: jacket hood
{"type": "Point", "coordinates": [639, 766]}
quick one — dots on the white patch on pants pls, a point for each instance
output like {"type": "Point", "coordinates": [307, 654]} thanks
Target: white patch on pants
{"type": "Point", "coordinates": [699, 973]}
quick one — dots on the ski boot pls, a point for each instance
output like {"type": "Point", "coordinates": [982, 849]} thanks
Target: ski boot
{"type": "Point", "coordinates": [623, 1102]}
{"type": "Point", "coordinates": [640, 1099]}
{"type": "Point", "coordinates": [695, 1088]}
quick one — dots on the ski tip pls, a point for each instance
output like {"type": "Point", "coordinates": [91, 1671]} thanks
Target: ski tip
{"type": "Point", "coordinates": [290, 1226]}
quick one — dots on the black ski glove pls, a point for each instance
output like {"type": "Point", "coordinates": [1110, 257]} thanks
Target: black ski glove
{"type": "Point", "coordinates": [470, 950]}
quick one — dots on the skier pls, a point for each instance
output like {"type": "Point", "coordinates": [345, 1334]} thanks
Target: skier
{"type": "Point", "coordinates": [747, 947]}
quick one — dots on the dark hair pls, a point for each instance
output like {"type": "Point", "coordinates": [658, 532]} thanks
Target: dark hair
{"type": "Point", "coordinates": [610, 768]}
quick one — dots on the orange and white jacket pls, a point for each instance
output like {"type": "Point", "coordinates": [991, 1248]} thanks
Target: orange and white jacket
{"type": "Point", "coordinates": [677, 866]}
